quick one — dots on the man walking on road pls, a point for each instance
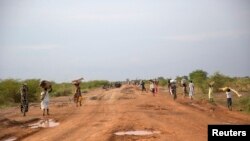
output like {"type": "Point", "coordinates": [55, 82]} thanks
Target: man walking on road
{"type": "Point", "coordinates": [191, 89]}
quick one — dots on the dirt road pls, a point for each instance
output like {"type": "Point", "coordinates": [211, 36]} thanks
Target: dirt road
{"type": "Point", "coordinates": [106, 112]}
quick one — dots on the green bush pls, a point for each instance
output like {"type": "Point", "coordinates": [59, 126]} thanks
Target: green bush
{"type": "Point", "coordinates": [62, 89]}
{"type": "Point", "coordinates": [245, 104]}
{"type": "Point", "coordinates": [242, 84]}
{"type": "Point", "coordinates": [9, 90]}
{"type": "Point", "coordinates": [220, 80]}
{"type": "Point", "coordinates": [94, 84]}
{"type": "Point", "coordinates": [34, 89]}
{"type": "Point", "coordinates": [162, 81]}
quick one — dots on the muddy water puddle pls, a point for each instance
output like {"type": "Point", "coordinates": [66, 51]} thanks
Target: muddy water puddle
{"type": "Point", "coordinates": [137, 133]}
{"type": "Point", "coordinates": [10, 139]}
{"type": "Point", "coordinates": [47, 123]}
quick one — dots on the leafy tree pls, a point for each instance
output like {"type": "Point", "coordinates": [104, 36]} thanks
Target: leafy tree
{"type": "Point", "coordinates": [199, 78]}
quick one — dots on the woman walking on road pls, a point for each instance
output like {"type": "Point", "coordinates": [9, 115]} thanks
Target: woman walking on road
{"type": "Point", "coordinates": [173, 89]}
{"type": "Point", "coordinates": [152, 87]}
{"type": "Point", "coordinates": [78, 93]}
{"type": "Point", "coordinates": [24, 99]}
{"type": "Point", "coordinates": [184, 86]}
{"type": "Point", "coordinates": [210, 92]}
{"type": "Point", "coordinates": [45, 101]}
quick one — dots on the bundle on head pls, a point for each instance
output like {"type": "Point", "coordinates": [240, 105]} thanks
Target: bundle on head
{"type": "Point", "coordinates": [77, 82]}
{"type": "Point", "coordinates": [46, 85]}
{"type": "Point", "coordinates": [211, 83]}
{"type": "Point", "coordinates": [172, 81]}
{"type": "Point", "coordinates": [183, 81]}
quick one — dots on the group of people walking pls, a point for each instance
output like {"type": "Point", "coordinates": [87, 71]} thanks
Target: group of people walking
{"type": "Point", "coordinates": [153, 86]}
{"type": "Point", "coordinates": [172, 88]}
{"type": "Point", "coordinates": [188, 89]}
{"type": "Point", "coordinates": [44, 97]}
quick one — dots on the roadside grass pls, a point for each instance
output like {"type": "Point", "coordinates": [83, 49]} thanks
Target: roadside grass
{"type": "Point", "coordinates": [10, 90]}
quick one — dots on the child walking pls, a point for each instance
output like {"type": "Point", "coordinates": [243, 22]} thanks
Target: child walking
{"type": "Point", "coordinates": [229, 92]}
{"type": "Point", "coordinates": [229, 99]}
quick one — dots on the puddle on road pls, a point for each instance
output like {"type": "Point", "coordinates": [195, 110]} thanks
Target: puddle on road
{"type": "Point", "coordinates": [137, 133]}
{"type": "Point", "coordinates": [44, 124]}
{"type": "Point", "coordinates": [11, 139]}
{"type": "Point", "coordinates": [226, 123]}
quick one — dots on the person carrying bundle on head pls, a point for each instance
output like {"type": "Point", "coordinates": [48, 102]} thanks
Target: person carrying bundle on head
{"type": "Point", "coordinates": [77, 94]}
{"type": "Point", "coordinates": [173, 88]}
{"type": "Point", "coordinates": [46, 85]}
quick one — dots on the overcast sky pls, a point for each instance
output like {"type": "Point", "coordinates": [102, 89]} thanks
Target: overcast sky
{"type": "Point", "coordinates": [62, 40]}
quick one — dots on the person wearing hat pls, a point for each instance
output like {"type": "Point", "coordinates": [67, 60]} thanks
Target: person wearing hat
{"type": "Point", "coordinates": [24, 98]}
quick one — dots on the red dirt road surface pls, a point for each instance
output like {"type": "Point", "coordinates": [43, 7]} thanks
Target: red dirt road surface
{"type": "Point", "coordinates": [105, 112]}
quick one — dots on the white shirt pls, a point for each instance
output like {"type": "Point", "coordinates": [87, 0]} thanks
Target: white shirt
{"type": "Point", "coordinates": [183, 81]}
{"type": "Point", "coordinates": [229, 95]}
{"type": "Point", "coordinates": [46, 97]}
{"type": "Point", "coordinates": [151, 86]}
{"type": "Point", "coordinates": [191, 87]}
